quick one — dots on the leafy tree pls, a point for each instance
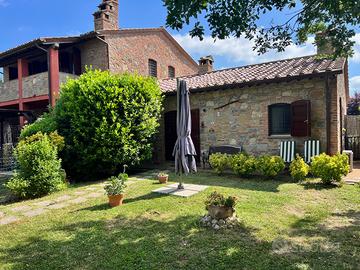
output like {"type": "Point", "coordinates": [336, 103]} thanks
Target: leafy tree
{"type": "Point", "coordinates": [354, 105]}
{"type": "Point", "coordinates": [242, 18]}
{"type": "Point", "coordinates": [107, 121]}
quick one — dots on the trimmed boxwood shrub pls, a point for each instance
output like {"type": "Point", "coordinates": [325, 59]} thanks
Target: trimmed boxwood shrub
{"type": "Point", "coordinates": [270, 166]}
{"type": "Point", "coordinates": [219, 162]}
{"type": "Point", "coordinates": [39, 168]}
{"type": "Point", "coordinates": [243, 165]}
{"type": "Point", "coordinates": [299, 169]}
{"type": "Point", "coordinates": [330, 168]}
{"type": "Point", "coordinates": [107, 121]}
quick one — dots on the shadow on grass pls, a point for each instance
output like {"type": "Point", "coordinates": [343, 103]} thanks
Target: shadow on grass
{"type": "Point", "coordinates": [143, 243]}
{"type": "Point", "coordinates": [318, 185]}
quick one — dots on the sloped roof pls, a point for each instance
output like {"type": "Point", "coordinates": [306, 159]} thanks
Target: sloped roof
{"type": "Point", "coordinates": [302, 67]}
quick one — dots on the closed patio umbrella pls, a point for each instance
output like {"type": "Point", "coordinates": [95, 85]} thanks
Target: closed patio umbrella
{"type": "Point", "coordinates": [184, 150]}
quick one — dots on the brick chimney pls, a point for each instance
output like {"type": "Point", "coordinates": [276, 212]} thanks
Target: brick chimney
{"type": "Point", "coordinates": [323, 43]}
{"type": "Point", "coordinates": [206, 64]}
{"type": "Point", "coordinates": [107, 15]}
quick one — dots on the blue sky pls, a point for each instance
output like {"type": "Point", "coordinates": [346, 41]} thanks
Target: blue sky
{"type": "Point", "coordinates": [23, 20]}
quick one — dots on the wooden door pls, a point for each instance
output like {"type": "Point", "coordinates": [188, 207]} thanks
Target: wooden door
{"type": "Point", "coordinates": [171, 135]}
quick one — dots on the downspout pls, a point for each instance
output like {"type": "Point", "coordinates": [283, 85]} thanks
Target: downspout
{"type": "Point", "coordinates": [107, 49]}
{"type": "Point", "coordinates": [328, 113]}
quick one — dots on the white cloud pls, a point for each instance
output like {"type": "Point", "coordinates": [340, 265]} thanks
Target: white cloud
{"type": "Point", "coordinates": [4, 3]}
{"type": "Point", "coordinates": [240, 50]}
{"type": "Point", "coordinates": [355, 83]}
{"type": "Point", "coordinates": [356, 57]}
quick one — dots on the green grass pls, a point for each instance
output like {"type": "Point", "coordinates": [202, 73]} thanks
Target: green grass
{"type": "Point", "coordinates": [321, 225]}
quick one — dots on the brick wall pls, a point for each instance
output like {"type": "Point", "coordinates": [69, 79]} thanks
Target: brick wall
{"type": "Point", "coordinates": [245, 122]}
{"type": "Point", "coordinates": [9, 90]}
{"type": "Point", "coordinates": [131, 51]}
{"type": "Point", "coordinates": [94, 53]}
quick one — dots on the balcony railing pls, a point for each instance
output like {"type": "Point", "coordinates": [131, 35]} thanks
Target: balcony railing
{"type": "Point", "coordinates": [34, 85]}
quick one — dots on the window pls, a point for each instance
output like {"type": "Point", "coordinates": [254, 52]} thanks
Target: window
{"type": "Point", "coordinates": [13, 73]}
{"type": "Point", "coordinates": [152, 68]}
{"type": "Point", "coordinates": [290, 119]}
{"type": "Point", "coordinates": [171, 72]}
{"type": "Point", "coordinates": [279, 119]}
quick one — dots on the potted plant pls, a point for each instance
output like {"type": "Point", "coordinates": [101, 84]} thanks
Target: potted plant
{"type": "Point", "coordinates": [115, 189]}
{"type": "Point", "coordinates": [220, 207]}
{"type": "Point", "coordinates": [163, 177]}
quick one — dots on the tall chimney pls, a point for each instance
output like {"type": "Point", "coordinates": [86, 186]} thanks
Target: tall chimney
{"type": "Point", "coordinates": [323, 43]}
{"type": "Point", "coordinates": [107, 15]}
{"type": "Point", "coordinates": [206, 64]}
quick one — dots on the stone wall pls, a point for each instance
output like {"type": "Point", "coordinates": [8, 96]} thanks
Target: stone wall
{"type": "Point", "coordinates": [36, 85]}
{"type": "Point", "coordinates": [130, 52]}
{"type": "Point", "coordinates": [9, 90]}
{"type": "Point", "coordinates": [94, 53]}
{"type": "Point", "coordinates": [245, 122]}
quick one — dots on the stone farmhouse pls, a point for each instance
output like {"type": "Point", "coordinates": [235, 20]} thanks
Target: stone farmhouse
{"type": "Point", "coordinates": [254, 106]}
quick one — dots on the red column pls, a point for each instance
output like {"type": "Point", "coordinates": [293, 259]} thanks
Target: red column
{"type": "Point", "coordinates": [23, 71]}
{"type": "Point", "coordinates": [54, 84]}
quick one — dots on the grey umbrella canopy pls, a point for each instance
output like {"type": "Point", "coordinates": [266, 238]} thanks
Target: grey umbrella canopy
{"type": "Point", "coordinates": [184, 150]}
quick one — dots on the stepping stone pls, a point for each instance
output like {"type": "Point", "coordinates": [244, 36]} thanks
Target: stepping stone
{"type": "Point", "coordinates": [95, 195]}
{"type": "Point", "coordinates": [22, 208]}
{"type": "Point", "coordinates": [190, 187]}
{"type": "Point", "coordinates": [2, 214]}
{"type": "Point", "coordinates": [185, 193]}
{"type": "Point", "coordinates": [34, 213]}
{"type": "Point", "coordinates": [63, 198]}
{"type": "Point", "coordinates": [43, 203]}
{"type": "Point", "coordinates": [78, 200]}
{"type": "Point", "coordinates": [81, 192]}
{"type": "Point", "coordinates": [8, 220]}
{"type": "Point", "coordinates": [165, 190]}
{"type": "Point", "coordinates": [91, 188]}
{"type": "Point", "coordinates": [58, 206]}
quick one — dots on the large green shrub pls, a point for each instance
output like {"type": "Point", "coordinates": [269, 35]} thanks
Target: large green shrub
{"type": "Point", "coordinates": [107, 121]}
{"type": "Point", "coordinates": [219, 162]}
{"type": "Point", "coordinates": [330, 168]}
{"type": "Point", "coordinates": [243, 164]}
{"type": "Point", "coordinates": [46, 125]}
{"type": "Point", "coordinates": [39, 169]}
{"type": "Point", "coordinates": [299, 169]}
{"type": "Point", "coordinates": [270, 166]}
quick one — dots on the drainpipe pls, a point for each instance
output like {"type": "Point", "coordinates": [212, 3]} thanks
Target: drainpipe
{"type": "Point", "coordinates": [328, 113]}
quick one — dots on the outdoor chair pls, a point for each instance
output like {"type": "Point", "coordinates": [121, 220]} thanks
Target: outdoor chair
{"type": "Point", "coordinates": [287, 151]}
{"type": "Point", "coordinates": [311, 149]}
{"type": "Point", "coordinates": [223, 149]}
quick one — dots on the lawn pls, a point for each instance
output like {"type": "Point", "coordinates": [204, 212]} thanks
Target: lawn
{"type": "Point", "coordinates": [283, 226]}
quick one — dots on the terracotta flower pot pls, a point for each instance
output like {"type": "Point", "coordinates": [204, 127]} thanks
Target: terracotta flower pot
{"type": "Point", "coordinates": [116, 200]}
{"type": "Point", "coordinates": [163, 179]}
{"type": "Point", "coordinates": [220, 212]}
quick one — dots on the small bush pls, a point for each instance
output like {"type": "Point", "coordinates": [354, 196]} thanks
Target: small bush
{"type": "Point", "coordinates": [270, 166]}
{"type": "Point", "coordinates": [243, 164]}
{"type": "Point", "coordinates": [330, 168]}
{"type": "Point", "coordinates": [46, 125]}
{"type": "Point", "coordinates": [219, 162]}
{"type": "Point", "coordinates": [217, 199]}
{"type": "Point", "coordinates": [299, 169]}
{"type": "Point", "coordinates": [56, 140]}
{"type": "Point", "coordinates": [39, 169]}
{"type": "Point", "coordinates": [117, 185]}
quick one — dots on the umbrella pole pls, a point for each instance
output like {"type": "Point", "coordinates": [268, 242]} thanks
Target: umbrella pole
{"type": "Point", "coordinates": [180, 186]}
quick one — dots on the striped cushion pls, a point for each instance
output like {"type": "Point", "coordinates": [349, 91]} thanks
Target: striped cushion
{"type": "Point", "coordinates": [311, 149]}
{"type": "Point", "coordinates": [287, 151]}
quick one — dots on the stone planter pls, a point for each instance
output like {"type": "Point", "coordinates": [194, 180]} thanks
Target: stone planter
{"type": "Point", "coordinates": [220, 212]}
{"type": "Point", "coordinates": [116, 200]}
{"type": "Point", "coordinates": [163, 179]}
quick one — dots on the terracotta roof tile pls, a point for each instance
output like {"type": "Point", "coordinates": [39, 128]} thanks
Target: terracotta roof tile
{"type": "Point", "coordinates": [264, 72]}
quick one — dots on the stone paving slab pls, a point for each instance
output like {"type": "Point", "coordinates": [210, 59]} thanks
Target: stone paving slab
{"type": "Point", "coordinates": [95, 195]}
{"type": "Point", "coordinates": [57, 206]}
{"type": "Point", "coordinates": [34, 213]}
{"type": "Point", "coordinates": [91, 188]}
{"type": "Point", "coordinates": [43, 203]}
{"type": "Point", "coordinates": [63, 198]}
{"type": "Point", "coordinates": [78, 200]}
{"type": "Point", "coordinates": [8, 220]}
{"type": "Point", "coordinates": [80, 192]}
{"type": "Point", "coordinates": [2, 214]}
{"type": "Point", "coordinates": [22, 208]}
{"type": "Point", "coordinates": [189, 190]}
